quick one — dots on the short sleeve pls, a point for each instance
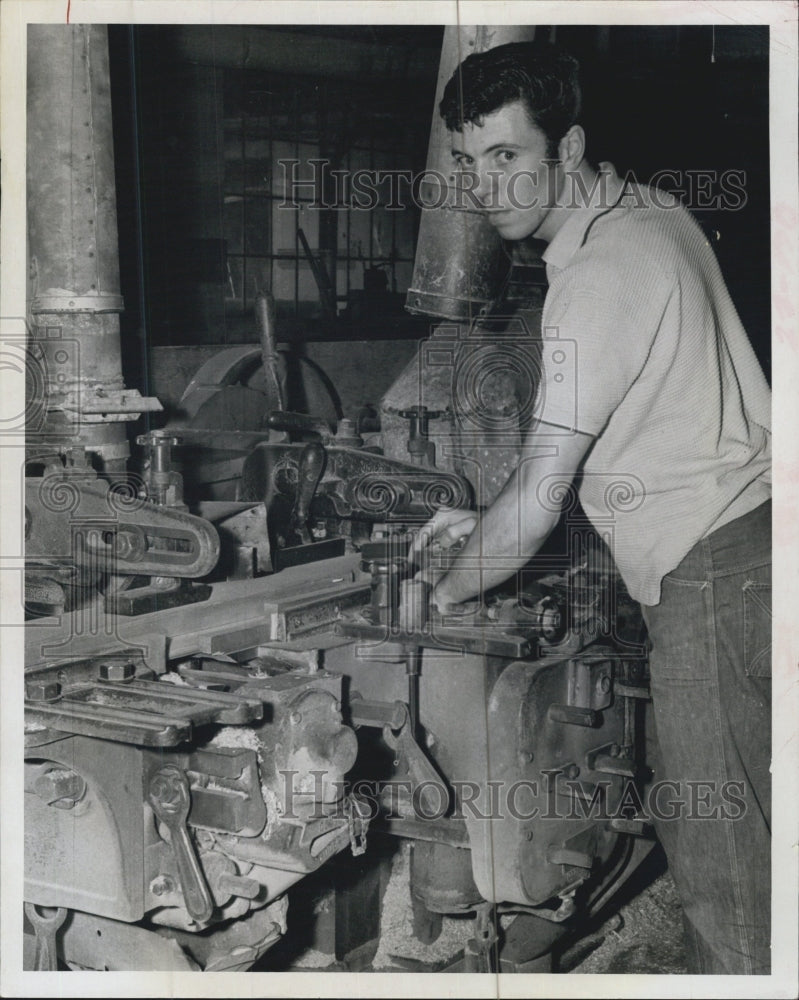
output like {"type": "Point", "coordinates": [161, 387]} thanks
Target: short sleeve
{"type": "Point", "coordinates": [592, 352]}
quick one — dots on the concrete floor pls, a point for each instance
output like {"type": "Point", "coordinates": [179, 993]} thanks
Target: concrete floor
{"type": "Point", "coordinates": [641, 933]}
{"type": "Point", "coordinates": [644, 935]}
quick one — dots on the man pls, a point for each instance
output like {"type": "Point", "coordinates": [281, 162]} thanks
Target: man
{"type": "Point", "coordinates": [664, 394]}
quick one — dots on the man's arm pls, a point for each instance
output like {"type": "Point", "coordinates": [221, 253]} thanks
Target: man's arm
{"type": "Point", "coordinates": [519, 521]}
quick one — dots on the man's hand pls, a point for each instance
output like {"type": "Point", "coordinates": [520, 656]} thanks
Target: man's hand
{"type": "Point", "coordinates": [516, 525]}
{"type": "Point", "coordinates": [446, 527]}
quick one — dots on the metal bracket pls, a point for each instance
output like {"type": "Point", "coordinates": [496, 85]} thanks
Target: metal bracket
{"type": "Point", "coordinates": [480, 639]}
{"type": "Point", "coordinates": [420, 769]}
{"type": "Point", "coordinates": [145, 713]}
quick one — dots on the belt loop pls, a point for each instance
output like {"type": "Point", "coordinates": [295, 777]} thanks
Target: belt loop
{"type": "Point", "coordinates": [707, 557]}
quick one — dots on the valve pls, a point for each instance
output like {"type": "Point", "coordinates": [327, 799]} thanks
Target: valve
{"type": "Point", "coordinates": [420, 447]}
{"type": "Point", "coordinates": [163, 483]}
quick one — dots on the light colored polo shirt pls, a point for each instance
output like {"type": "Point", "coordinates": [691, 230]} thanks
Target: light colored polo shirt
{"type": "Point", "coordinates": [643, 349]}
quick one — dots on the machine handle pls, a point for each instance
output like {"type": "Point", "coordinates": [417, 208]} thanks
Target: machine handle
{"type": "Point", "coordinates": [312, 463]}
{"type": "Point", "coordinates": [298, 423]}
{"type": "Point", "coordinates": [170, 799]}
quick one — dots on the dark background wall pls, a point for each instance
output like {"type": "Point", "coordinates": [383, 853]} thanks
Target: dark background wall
{"type": "Point", "coordinates": [202, 114]}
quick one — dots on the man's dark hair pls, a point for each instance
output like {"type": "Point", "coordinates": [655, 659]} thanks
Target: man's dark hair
{"type": "Point", "coordinates": [543, 77]}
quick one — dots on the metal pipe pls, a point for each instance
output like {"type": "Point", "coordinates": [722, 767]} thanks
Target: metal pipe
{"type": "Point", "coordinates": [460, 261]}
{"type": "Point", "coordinates": [74, 298]}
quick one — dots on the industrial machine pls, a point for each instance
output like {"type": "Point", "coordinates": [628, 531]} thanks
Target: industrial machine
{"type": "Point", "coordinates": [195, 746]}
{"type": "Point", "coordinates": [227, 690]}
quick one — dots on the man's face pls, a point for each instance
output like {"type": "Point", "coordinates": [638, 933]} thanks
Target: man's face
{"type": "Point", "coordinates": [509, 180]}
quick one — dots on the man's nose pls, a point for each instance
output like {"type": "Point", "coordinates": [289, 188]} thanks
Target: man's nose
{"type": "Point", "coordinates": [483, 188]}
{"type": "Point", "coordinates": [478, 189]}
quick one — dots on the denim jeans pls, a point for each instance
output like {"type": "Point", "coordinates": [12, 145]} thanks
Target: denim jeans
{"type": "Point", "coordinates": [710, 663]}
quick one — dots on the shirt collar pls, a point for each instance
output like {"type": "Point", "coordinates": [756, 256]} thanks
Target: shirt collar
{"type": "Point", "coordinates": [603, 197]}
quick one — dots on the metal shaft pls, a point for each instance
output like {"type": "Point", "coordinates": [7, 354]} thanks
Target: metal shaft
{"type": "Point", "coordinates": [265, 316]}
{"type": "Point", "coordinates": [74, 298]}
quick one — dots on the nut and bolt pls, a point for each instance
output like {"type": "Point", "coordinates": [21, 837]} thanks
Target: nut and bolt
{"type": "Point", "coordinates": [615, 750]}
{"type": "Point", "coordinates": [572, 772]}
{"type": "Point", "coordinates": [60, 787]}
{"type": "Point", "coordinates": [335, 707]}
{"type": "Point", "coordinates": [161, 885]}
{"type": "Point", "coordinates": [603, 684]}
{"type": "Point", "coordinates": [129, 545]}
{"type": "Point", "coordinates": [295, 718]}
{"type": "Point", "coordinates": [42, 690]}
{"type": "Point", "coordinates": [528, 835]}
{"type": "Point", "coordinates": [116, 671]}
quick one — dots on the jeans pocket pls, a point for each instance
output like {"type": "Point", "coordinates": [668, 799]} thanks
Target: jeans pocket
{"type": "Point", "coordinates": [757, 628]}
{"type": "Point", "coordinates": [680, 630]}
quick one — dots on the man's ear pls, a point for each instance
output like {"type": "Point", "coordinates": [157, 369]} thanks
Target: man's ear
{"type": "Point", "coordinates": [571, 148]}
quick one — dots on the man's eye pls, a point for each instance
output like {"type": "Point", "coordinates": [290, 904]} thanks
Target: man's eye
{"type": "Point", "coordinates": [462, 161]}
{"type": "Point", "coordinates": [506, 156]}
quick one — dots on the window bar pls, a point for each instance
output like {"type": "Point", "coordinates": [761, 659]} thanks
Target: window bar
{"type": "Point", "coordinates": [371, 216]}
{"type": "Point", "coordinates": [244, 268]}
{"type": "Point", "coordinates": [271, 193]}
{"type": "Point", "coordinates": [296, 215]}
{"type": "Point", "coordinates": [349, 223]}
{"type": "Point", "coordinates": [394, 252]}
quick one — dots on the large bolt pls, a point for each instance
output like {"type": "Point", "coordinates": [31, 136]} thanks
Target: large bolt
{"type": "Point", "coordinates": [42, 690]}
{"type": "Point", "coordinates": [116, 671]}
{"type": "Point", "coordinates": [60, 787]}
{"type": "Point", "coordinates": [130, 545]}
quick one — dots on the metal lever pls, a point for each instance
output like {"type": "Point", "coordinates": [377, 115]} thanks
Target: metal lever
{"type": "Point", "coordinates": [170, 798]}
{"type": "Point", "coordinates": [312, 463]}
{"type": "Point", "coordinates": [327, 294]}
{"type": "Point", "coordinates": [265, 317]}
{"type": "Point", "coordinates": [299, 423]}
{"type": "Point", "coordinates": [46, 955]}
